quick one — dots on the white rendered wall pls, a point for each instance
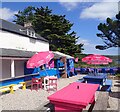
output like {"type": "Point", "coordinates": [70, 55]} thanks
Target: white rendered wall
{"type": "Point", "coordinates": [14, 41]}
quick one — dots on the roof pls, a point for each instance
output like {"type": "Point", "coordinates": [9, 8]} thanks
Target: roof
{"type": "Point", "coordinates": [18, 29]}
{"type": "Point", "coordinates": [59, 54]}
{"type": "Point", "coordinates": [27, 54]}
{"type": "Point", "coordinates": [15, 53]}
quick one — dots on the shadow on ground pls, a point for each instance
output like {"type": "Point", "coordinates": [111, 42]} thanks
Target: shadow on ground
{"type": "Point", "coordinates": [50, 107]}
{"type": "Point", "coordinates": [117, 81]}
{"type": "Point", "coordinates": [115, 94]}
{"type": "Point", "coordinates": [117, 85]}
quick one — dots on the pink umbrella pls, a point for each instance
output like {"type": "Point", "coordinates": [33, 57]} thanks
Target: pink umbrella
{"type": "Point", "coordinates": [98, 63]}
{"type": "Point", "coordinates": [39, 59]}
{"type": "Point", "coordinates": [96, 59]}
{"type": "Point", "coordinates": [76, 59]}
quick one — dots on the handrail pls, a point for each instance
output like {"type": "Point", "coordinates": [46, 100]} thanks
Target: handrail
{"type": "Point", "coordinates": [25, 75]}
{"type": "Point", "coordinates": [18, 77]}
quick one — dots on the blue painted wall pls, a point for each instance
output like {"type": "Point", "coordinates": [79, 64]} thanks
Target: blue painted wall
{"type": "Point", "coordinates": [49, 72]}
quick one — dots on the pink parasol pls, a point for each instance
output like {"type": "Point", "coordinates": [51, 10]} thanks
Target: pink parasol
{"type": "Point", "coordinates": [39, 59]}
{"type": "Point", "coordinates": [96, 59]}
{"type": "Point", "coordinates": [76, 59]}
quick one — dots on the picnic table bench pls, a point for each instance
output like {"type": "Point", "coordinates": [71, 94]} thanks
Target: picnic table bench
{"type": "Point", "coordinates": [81, 80]}
{"type": "Point", "coordinates": [8, 88]}
{"type": "Point", "coordinates": [107, 86]}
{"type": "Point", "coordinates": [95, 79]}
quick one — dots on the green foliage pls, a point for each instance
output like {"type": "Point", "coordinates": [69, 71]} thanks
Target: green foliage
{"type": "Point", "coordinates": [55, 28]}
{"type": "Point", "coordinates": [110, 33]}
{"type": "Point", "coordinates": [118, 75]}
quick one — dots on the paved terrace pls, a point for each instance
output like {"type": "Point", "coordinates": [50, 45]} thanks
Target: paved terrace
{"type": "Point", "coordinates": [37, 100]}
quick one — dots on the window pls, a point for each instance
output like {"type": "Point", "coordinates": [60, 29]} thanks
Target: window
{"type": "Point", "coordinates": [31, 33]}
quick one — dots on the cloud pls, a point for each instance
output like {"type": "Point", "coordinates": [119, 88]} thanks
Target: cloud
{"type": "Point", "coordinates": [6, 13]}
{"type": "Point", "coordinates": [101, 10]}
{"type": "Point", "coordinates": [87, 44]}
{"type": "Point", "coordinates": [89, 47]}
{"type": "Point", "coordinates": [69, 5]}
{"type": "Point", "coordinates": [83, 41]}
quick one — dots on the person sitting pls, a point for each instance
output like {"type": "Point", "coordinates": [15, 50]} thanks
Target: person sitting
{"type": "Point", "coordinates": [95, 70]}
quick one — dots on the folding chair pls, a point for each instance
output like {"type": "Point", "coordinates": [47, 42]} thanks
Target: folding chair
{"type": "Point", "coordinates": [52, 84]}
{"type": "Point", "coordinates": [36, 83]}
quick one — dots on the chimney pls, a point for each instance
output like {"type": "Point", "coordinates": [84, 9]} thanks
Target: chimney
{"type": "Point", "coordinates": [27, 24]}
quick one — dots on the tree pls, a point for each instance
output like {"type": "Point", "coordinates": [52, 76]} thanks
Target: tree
{"type": "Point", "coordinates": [55, 28]}
{"type": "Point", "coordinates": [110, 33]}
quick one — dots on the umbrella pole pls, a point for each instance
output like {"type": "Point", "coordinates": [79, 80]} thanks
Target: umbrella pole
{"type": "Point", "coordinates": [46, 72]}
{"type": "Point", "coordinates": [95, 69]}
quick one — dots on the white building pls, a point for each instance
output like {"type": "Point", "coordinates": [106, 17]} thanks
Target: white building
{"type": "Point", "coordinates": [17, 45]}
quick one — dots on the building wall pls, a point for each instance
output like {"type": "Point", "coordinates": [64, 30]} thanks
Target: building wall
{"type": "Point", "coordinates": [14, 41]}
{"type": "Point", "coordinates": [0, 68]}
{"type": "Point", "coordinates": [6, 70]}
{"type": "Point", "coordinates": [19, 67]}
{"type": "Point", "coordinates": [18, 42]}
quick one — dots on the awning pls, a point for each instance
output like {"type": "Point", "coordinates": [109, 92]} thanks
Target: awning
{"type": "Point", "coordinates": [59, 54]}
{"type": "Point", "coordinates": [15, 53]}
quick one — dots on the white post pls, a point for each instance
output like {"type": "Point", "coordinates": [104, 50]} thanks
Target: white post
{"type": "Point", "coordinates": [12, 68]}
{"type": "Point", "coordinates": [118, 6]}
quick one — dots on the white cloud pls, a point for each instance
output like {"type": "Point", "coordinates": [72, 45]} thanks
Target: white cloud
{"type": "Point", "coordinates": [89, 48]}
{"type": "Point", "coordinates": [101, 10]}
{"type": "Point", "coordinates": [87, 44]}
{"type": "Point", "coordinates": [83, 41]}
{"type": "Point", "coordinates": [6, 13]}
{"type": "Point", "coordinates": [69, 5]}
{"type": "Point", "coordinates": [79, 0]}
{"type": "Point", "coordinates": [72, 4]}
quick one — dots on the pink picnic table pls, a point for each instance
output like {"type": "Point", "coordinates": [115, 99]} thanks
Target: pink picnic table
{"type": "Point", "coordinates": [74, 97]}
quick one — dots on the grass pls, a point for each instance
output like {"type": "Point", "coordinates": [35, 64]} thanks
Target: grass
{"type": "Point", "coordinates": [118, 75]}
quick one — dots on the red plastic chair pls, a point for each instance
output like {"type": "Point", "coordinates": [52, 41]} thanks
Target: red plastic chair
{"type": "Point", "coordinates": [36, 84]}
{"type": "Point", "coordinates": [52, 84]}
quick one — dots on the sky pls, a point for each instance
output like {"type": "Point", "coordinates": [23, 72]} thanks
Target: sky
{"type": "Point", "coordinates": [85, 16]}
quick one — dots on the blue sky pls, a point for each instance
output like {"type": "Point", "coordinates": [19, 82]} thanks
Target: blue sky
{"type": "Point", "coordinates": [86, 16]}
